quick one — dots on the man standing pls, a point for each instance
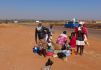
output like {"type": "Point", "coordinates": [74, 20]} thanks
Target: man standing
{"type": "Point", "coordinates": [40, 33]}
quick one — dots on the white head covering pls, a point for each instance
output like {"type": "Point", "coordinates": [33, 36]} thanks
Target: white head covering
{"type": "Point", "coordinates": [81, 22]}
{"type": "Point", "coordinates": [37, 21]}
{"type": "Point", "coordinates": [79, 28]}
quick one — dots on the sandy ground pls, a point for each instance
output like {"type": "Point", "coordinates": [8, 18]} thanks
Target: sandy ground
{"type": "Point", "coordinates": [17, 41]}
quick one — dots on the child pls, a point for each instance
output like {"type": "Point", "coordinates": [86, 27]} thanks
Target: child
{"type": "Point", "coordinates": [73, 43]}
{"type": "Point", "coordinates": [48, 65]}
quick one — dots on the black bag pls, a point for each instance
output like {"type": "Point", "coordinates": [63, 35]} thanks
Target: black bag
{"type": "Point", "coordinates": [61, 55]}
{"type": "Point", "coordinates": [49, 62]}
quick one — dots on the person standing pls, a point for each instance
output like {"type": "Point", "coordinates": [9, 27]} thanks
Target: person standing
{"type": "Point", "coordinates": [80, 36]}
{"type": "Point", "coordinates": [73, 43]}
{"type": "Point", "coordinates": [40, 34]}
{"type": "Point", "coordinates": [51, 31]}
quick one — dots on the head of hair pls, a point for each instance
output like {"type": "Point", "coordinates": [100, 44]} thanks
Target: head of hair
{"type": "Point", "coordinates": [84, 25]}
{"type": "Point", "coordinates": [73, 34]}
{"type": "Point", "coordinates": [49, 62]}
{"type": "Point", "coordinates": [64, 32]}
{"type": "Point", "coordinates": [51, 26]}
{"type": "Point", "coordinates": [67, 48]}
{"type": "Point", "coordinates": [79, 25]}
{"type": "Point", "coordinates": [39, 24]}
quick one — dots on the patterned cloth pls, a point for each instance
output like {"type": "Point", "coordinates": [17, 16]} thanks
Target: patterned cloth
{"type": "Point", "coordinates": [61, 39]}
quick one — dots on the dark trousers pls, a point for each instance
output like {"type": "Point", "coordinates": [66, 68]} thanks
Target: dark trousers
{"type": "Point", "coordinates": [81, 48]}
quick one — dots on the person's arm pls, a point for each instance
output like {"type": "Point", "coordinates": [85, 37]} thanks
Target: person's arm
{"type": "Point", "coordinates": [48, 40]}
{"type": "Point", "coordinates": [36, 35]}
{"type": "Point", "coordinates": [87, 32]}
{"type": "Point", "coordinates": [68, 40]}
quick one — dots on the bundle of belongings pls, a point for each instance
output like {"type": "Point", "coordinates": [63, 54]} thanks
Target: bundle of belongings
{"type": "Point", "coordinates": [62, 54]}
{"type": "Point", "coordinates": [49, 51]}
{"type": "Point", "coordinates": [40, 50]}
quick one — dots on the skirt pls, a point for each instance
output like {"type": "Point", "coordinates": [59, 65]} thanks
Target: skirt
{"type": "Point", "coordinates": [78, 42]}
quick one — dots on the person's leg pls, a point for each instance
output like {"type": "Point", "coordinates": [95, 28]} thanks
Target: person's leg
{"type": "Point", "coordinates": [40, 52]}
{"type": "Point", "coordinates": [81, 50]}
{"type": "Point", "coordinates": [44, 43]}
{"type": "Point", "coordinates": [40, 42]}
{"type": "Point", "coordinates": [78, 46]}
{"type": "Point", "coordinates": [43, 52]}
{"type": "Point", "coordinates": [77, 49]}
{"type": "Point", "coordinates": [73, 51]}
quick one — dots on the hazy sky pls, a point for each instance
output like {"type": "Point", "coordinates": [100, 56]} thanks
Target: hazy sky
{"type": "Point", "coordinates": [50, 9]}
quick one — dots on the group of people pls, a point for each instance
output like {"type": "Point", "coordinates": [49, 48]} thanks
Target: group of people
{"type": "Point", "coordinates": [68, 44]}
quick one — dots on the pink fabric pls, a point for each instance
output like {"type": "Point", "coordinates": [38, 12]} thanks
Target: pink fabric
{"type": "Point", "coordinates": [73, 42]}
{"type": "Point", "coordinates": [61, 39]}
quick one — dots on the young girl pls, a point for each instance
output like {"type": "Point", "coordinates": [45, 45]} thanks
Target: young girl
{"type": "Point", "coordinates": [48, 65]}
{"type": "Point", "coordinates": [73, 43]}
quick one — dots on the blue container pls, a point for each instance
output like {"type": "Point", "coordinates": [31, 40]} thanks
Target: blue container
{"type": "Point", "coordinates": [35, 50]}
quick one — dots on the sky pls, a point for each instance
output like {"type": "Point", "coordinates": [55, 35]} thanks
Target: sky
{"type": "Point", "coordinates": [50, 9]}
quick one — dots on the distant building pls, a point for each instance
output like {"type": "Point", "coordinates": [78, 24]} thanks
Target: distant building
{"type": "Point", "coordinates": [98, 22]}
{"type": "Point", "coordinates": [37, 21]}
{"type": "Point", "coordinates": [15, 21]}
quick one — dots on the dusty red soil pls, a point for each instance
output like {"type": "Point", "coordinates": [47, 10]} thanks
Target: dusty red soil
{"type": "Point", "coordinates": [17, 41]}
